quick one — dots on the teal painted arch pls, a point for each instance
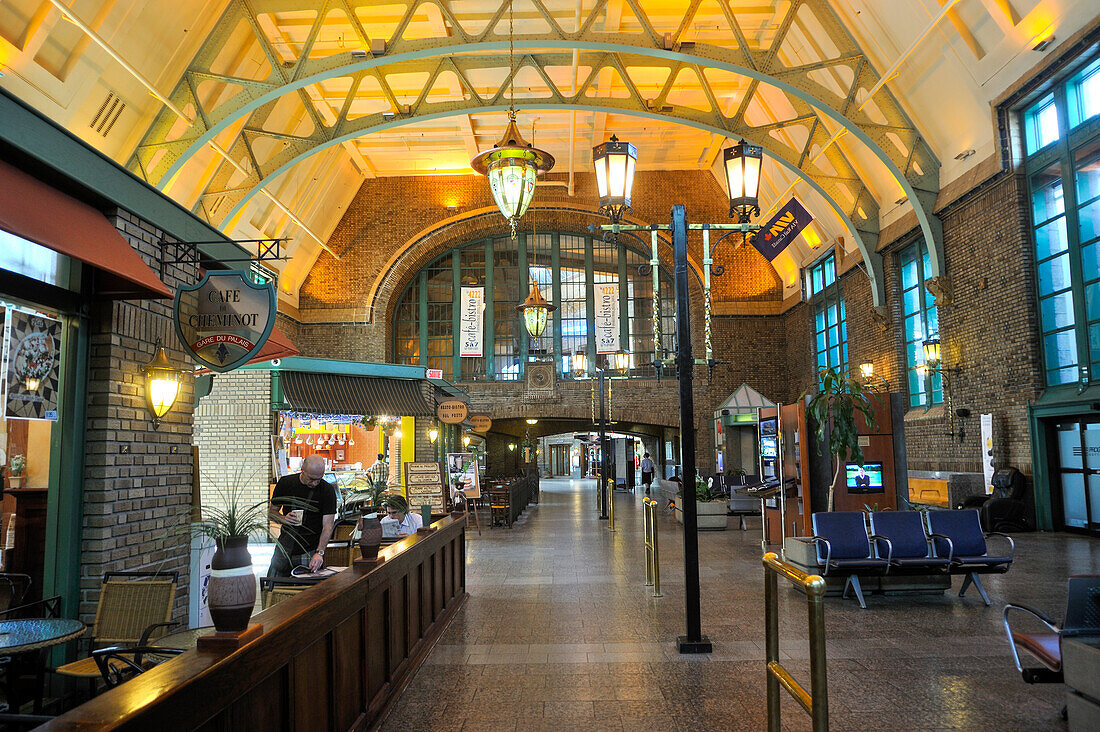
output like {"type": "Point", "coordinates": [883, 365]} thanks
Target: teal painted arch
{"type": "Point", "coordinates": [921, 201]}
{"type": "Point", "coordinates": [867, 251]}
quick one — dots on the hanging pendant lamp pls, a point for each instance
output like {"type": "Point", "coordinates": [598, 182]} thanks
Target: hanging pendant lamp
{"type": "Point", "coordinates": [512, 165]}
{"type": "Point", "coordinates": [535, 311]}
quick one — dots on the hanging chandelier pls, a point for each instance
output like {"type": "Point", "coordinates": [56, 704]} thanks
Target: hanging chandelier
{"type": "Point", "coordinates": [513, 164]}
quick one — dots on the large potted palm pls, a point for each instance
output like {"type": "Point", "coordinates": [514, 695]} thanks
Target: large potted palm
{"type": "Point", "coordinates": [840, 396]}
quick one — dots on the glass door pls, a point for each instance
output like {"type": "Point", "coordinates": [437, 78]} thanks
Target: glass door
{"type": "Point", "coordinates": [1076, 477]}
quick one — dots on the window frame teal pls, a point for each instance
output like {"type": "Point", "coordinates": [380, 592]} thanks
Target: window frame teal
{"type": "Point", "coordinates": [925, 388]}
{"type": "Point", "coordinates": [823, 294]}
{"type": "Point", "coordinates": [1062, 329]}
{"type": "Point", "coordinates": [624, 263]}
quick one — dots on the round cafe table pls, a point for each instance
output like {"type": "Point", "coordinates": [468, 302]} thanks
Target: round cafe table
{"type": "Point", "coordinates": [22, 637]}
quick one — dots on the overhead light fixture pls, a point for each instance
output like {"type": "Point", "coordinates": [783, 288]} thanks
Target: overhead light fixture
{"type": "Point", "coordinates": [512, 165]}
{"type": "Point", "coordinates": [614, 162]}
{"type": "Point", "coordinates": [531, 420]}
{"type": "Point", "coordinates": [1043, 42]}
{"type": "Point", "coordinates": [536, 310]}
{"type": "Point", "coordinates": [965, 154]}
{"type": "Point", "coordinates": [742, 162]}
{"type": "Point", "coordinates": [162, 384]}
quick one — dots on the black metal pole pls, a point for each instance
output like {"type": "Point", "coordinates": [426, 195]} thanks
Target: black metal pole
{"type": "Point", "coordinates": [694, 641]}
{"type": "Point", "coordinates": [601, 489]}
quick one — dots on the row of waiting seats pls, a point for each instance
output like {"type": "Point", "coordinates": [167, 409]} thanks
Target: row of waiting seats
{"type": "Point", "coordinates": [906, 543]}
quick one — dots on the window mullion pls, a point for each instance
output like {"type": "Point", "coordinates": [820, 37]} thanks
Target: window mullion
{"type": "Point", "coordinates": [456, 313]}
{"type": "Point", "coordinates": [1076, 268]}
{"type": "Point", "coordinates": [524, 288]}
{"type": "Point", "coordinates": [555, 279]}
{"type": "Point", "coordinates": [589, 304]}
{"type": "Point", "coordinates": [490, 310]}
{"type": "Point", "coordinates": [423, 317]}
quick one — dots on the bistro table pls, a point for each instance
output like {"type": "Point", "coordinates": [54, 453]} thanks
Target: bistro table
{"type": "Point", "coordinates": [26, 636]}
{"type": "Point", "coordinates": [183, 639]}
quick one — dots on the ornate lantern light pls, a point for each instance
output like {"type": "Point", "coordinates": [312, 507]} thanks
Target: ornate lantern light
{"type": "Point", "coordinates": [535, 311]}
{"type": "Point", "coordinates": [932, 353]}
{"type": "Point", "coordinates": [620, 361]}
{"type": "Point", "coordinates": [162, 384]}
{"type": "Point", "coordinates": [742, 163]}
{"type": "Point", "coordinates": [580, 363]}
{"type": "Point", "coordinates": [513, 164]}
{"type": "Point", "coordinates": [614, 162]}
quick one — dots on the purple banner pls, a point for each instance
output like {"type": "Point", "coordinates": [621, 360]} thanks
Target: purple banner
{"type": "Point", "coordinates": [780, 231]}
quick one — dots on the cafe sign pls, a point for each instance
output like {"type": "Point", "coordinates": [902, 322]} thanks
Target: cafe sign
{"type": "Point", "coordinates": [482, 423]}
{"type": "Point", "coordinates": [230, 322]}
{"type": "Point", "coordinates": [451, 411]}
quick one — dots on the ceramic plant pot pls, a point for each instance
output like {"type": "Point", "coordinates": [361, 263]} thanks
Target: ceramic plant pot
{"type": "Point", "coordinates": [232, 588]}
{"type": "Point", "coordinates": [370, 537]}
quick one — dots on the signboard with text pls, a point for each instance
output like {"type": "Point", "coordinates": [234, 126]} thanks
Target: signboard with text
{"type": "Point", "coordinates": [424, 485]}
{"type": "Point", "coordinates": [451, 411]}
{"type": "Point", "coordinates": [471, 322]}
{"type": "Point", "coordinates": [231, 321]}
{"type": "Point", "coordinates": [781, 230]}
{"type": "Point", "coordinates": [607, 317]}
{"type": "Point", "coordinates": [482, 423]}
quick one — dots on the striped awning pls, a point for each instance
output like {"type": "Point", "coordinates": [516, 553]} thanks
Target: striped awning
{"type": "Point", "coordinates": [365, 395]}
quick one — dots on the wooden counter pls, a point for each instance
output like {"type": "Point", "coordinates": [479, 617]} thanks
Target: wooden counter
{"type": "Point", "coordinates": [331, 658]}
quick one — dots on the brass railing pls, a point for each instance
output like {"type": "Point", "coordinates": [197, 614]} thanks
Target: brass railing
{"type": "Point", "coordinates": [816, 701]}
{"type": "Point", "coordinates": [652, 552]}
{"type": "Point", "coordinates": [610, 488]}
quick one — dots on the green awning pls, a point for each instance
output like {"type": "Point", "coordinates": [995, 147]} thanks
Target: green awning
{"type": "Point", "coordinates": [364, 395]}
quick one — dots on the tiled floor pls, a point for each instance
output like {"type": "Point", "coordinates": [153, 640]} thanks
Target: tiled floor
{"type": "Point", "coordinates": [560, 634]}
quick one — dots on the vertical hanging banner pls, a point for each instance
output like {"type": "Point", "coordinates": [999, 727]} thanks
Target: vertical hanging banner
{"type": "Point", "coordinates": [607, 317]}
{"type": "Point", "coordinates": [33, 370]}
{"type": "Point", "coordinates": [3, 352]}
{"type": "Point", "coordinates": [780, 231]}
{"type": "Point", "coordinates": [472, 322]}
{"type": "Point", "coordinates": [987, 451]}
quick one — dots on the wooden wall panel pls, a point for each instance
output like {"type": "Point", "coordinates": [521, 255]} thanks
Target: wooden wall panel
{"type": "Point", "coordinates": [310, 689]}
{"type": "Point", "coordinates": [347, 670]}
{"type": "Point", "coordinates": [376, 645]}
{"type": "Point", "coordinates": [264, 706]}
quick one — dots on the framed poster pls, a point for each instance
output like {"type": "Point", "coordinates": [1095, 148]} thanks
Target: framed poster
{"type": "Point", "coordinates": [424, 484]}
{"type": "Point", "coordinates": [462, 466]}
{"type": "Point", "coordinates": [34, 366]}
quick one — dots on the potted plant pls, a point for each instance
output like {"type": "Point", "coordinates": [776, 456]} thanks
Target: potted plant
{"type": "Point", "coordinates": [231, 593]}
{"type": "Point", "coordinates": [839, 398]}
{"type": "Point", "coordinates": [16, 467]}
{"type": "Point", "coordinates": [710, 506]}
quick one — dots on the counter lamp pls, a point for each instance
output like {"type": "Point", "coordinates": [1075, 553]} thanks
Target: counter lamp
{"type": "Point", "coordinates": [162, 384]}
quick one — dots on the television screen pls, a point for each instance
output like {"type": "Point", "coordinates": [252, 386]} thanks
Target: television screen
{"type": "Point", "coordinates": [768, 447]}
{"type": "Point", "coordinates": [864, 479]}
{"type": "Point", "coordinates": [768, 426]}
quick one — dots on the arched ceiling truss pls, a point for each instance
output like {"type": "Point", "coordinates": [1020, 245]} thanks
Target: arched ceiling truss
{"type": "Point", "coordinates": [792, 85]}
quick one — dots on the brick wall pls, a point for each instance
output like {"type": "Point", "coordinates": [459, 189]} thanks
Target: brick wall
{"type": "Point", "coordinates": [137, 482]}
{"type": "Point", "coordinates": [233, 433]}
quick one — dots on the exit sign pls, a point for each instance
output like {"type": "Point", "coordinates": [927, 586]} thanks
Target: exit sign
{"type": "Point", "coordinates": [435, 373]}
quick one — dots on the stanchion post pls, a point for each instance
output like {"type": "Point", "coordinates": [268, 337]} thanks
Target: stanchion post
{"type": "Point", "coordinates": [656, 549]}
{"type": "Point", "coordinates": [819, 687]}
{"type": "Point", "coordinates": [771, 641]}
{"type": "Point", "coordinates": [610, 488]}
{"type": "Point", "coordinates": [646, 542]}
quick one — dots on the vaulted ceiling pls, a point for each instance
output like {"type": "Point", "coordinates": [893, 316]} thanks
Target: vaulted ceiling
{"type": "Point", "coordinates": [264, 116]}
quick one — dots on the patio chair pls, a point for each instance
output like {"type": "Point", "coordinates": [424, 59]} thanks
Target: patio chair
{"type": "Point", "coordinates": [13, 588]}
{"type": "Point", "coordinates": [133, 608]}
{"type": "Point", "coordinates": [847, 548]}
{"type": "Point", "coordinates": [913, 551]}
{"type": "Point", "coordinates": [1082, 618]}
{"type": "Point", "coordinates": [967, 548]}
{"type": "Point", "coordinates": [118, 664]}
{"type": "Point", "coordinates": [274, 590]}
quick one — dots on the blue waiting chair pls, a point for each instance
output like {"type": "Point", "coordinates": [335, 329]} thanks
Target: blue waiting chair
{"type": "Point", "coordinates": [964, 543]}
{"type": "Point", "coordinates": [843, 547]}
{"type": "Point", "coordinates": [912, 550]}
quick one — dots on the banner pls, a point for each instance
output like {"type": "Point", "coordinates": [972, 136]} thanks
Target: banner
{"type": "Point", "coordinates": [33, 371]}
{"type": "Point", "coordinates": [472, 322]}
{"type": "Point", "coordinates": [781, 230]}
{"type": "Point", "coordinates": [607, 317]}
{"type": "Point", "coordinates": [231, 322]}
{"type": "Point", "coordinates": [987, 451]}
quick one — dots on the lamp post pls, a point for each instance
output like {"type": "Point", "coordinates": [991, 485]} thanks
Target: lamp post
{"type": "Point", "coordinates": [742, 164]}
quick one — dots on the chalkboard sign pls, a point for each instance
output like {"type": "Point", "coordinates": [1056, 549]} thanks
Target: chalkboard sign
{"type": "Point", "coordinates": [424, 484]}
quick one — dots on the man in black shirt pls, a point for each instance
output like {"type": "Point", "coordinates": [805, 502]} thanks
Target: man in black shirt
{"type": "Point", "coordinates": [304, 505]}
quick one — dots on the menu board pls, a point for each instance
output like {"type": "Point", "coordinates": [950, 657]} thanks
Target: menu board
{"type": "Point", "coordinates": [424, 485]}
{"type": "Point", "coordinates": [462, 470]}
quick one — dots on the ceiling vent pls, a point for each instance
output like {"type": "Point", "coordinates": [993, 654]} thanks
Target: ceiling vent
{"type": "Point", "coordinates": [108, 114]}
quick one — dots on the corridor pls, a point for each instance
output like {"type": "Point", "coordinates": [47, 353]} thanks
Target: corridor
{"type": "Point", "coordinates": [560, 633]}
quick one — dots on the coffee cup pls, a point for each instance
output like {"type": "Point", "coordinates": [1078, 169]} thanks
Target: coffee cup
{"type": "Point", "coordinates": [294, 518]}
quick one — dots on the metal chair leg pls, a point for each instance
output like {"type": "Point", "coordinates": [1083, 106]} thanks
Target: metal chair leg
{"type": "Point", "coordinates": [966, 583]}
{"type": "Point", "coordinates": [853, 582]}
{"type": "Point", "coordinates": [981, 590]}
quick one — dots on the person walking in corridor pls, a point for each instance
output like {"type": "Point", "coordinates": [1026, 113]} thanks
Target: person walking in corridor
{"type": "Point", "coordinates": [647, 472]}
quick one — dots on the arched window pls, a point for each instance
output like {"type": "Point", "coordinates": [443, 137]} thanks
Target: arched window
{"type": "Point", "coordinates": [567, 267]}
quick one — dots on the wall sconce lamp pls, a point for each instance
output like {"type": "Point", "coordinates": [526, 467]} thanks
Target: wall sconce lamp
{"type": "Point", "coordinates": [465, 440]}
{"type": "Point", "coordinates": [933, 359]}
{"type": "Point", "coordinates": [867, 371]}
{"type": "Point", "coordinates": [162, 384]}
{"type": "Point", "coordinates": [511, 447]}
{"type": "Point", "coordinates": [531, 420]}
{"type": "Point", "coordinates": [433, 434]}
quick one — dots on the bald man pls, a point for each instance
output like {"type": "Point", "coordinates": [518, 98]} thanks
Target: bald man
{"type": "Point", "coordinates": [306, 523]}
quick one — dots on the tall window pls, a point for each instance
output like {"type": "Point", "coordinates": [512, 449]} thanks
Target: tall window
{"type": "Point", "coordinates": [1063, 167]}
{"type": "Point", "coordinates": [830, 324]}
{"type": "Point", "coordinates": [921, 322]}
{"type": "Point", "coordinates": [567, 268]}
